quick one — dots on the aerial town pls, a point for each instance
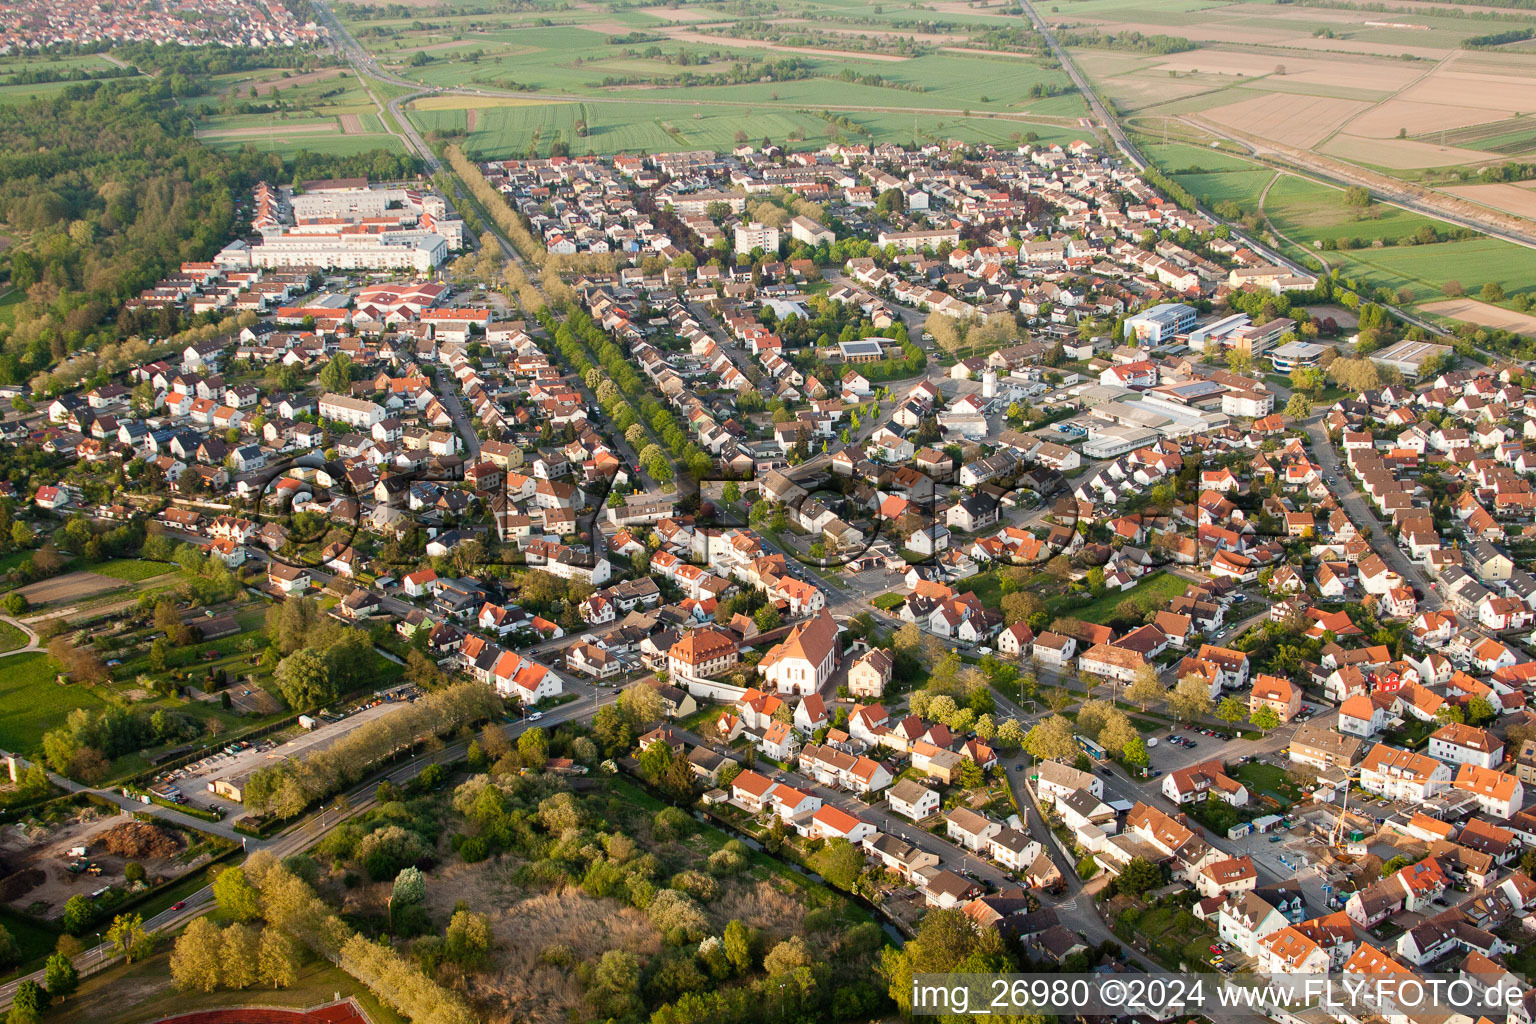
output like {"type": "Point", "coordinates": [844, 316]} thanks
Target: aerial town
{"type": "Point", "coordinates": [40, 24]}
{"type": "Point", "coordinates": [972, 526]}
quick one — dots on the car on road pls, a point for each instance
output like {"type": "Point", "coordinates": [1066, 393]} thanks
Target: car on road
{"type": "Point", "coordinates": [535, 716]}
{"type": "Point", "coordinates": [178, 904]}
{"type": "Point", "coordinates": [1018, 767]}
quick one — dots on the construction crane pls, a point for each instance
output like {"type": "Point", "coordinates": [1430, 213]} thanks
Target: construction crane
{"type": "Point", "coordinates": [1336, 834]}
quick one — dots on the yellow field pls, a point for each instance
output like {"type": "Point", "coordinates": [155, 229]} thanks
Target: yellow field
{"type": "Point", "coordinates": [473, 102]}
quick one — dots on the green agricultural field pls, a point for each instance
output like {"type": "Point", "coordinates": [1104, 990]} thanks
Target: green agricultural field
{"type": "Point", "coordinates": [628, 128]}
{"type": "Point", "coordinates": [31, 702]}
{"type": "Point", "coordinates": [131, 569]}
{"type": "Point", "coordinates": [1304, 210]}
{"type": "Point", "coordinates": [1424, 268]}
{"type": "Point", "coordinates": [288, 148]}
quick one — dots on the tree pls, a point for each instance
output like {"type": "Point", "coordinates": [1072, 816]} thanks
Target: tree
{"type": "Point", "coordinates": [1135, 753]}
{"type": "Point", "coordinates": [1146, 687]}
{"type": "Point", "coordinates": [1139, 875]}
{"type": "Point", "coordinates": [1010, 735]}
{"type": "Point", "coordinates": [28, 1003]}
{"type": "Point", "coordinates": [616, 983]}
{"type": "Point", "coordinates": [304, 679]}
{"type": "Point", "coordinates": [1450, 713]}
{"type": "Point", "coordinates": [945, 942]}
{"type": "Point", "coordinates": [1298, 406]}
{"type": "Point", "coordinates": [236, 896]}
{"type": "Point", "coordinates": [739, 943]}
{"type": "Point", "coordinates": [839, 862]}
{"type": "Point", "coordinates": [986, 727]}
{"type": "Point", "coordinates": [1190, 698]}
{"type": "Point", "coordinates": [1117, 733]}
{"type": "Point", "coordinates": [197, 955]}
{"type": "Point", "coordinates": [1493, 292]}
{"type": "Point", "coordinates": [242, 956]}
{"type": "Point", "coordinates": [78, 914]}
{"type": "Point", "coordinates": [1264, 719]}
{"type": "Point", "coordinates": [1051, 739]}
{"type": "Point", "coordinates": [468, 940]}
{"type": "Point", "coordinates": [410, 888]}
{"type": "Point", "coordinates": [641, 705]}
{"type": "Point", "coordinates": [1357, 197]}
{"type": "Point", "coordinates": [60, 977]}
{"type": "Point", "coordinates": [129, 938]}
{"type": "Point", "coordinates": [970, 775]}
{"type": "Point", "coordinates": [1479, 710]}
{"type": "Point", "coordinates": [767, 617]}
{"type": "Point", "coordinates": [1230, 710]}
{"type": "Point", "coordinates": [336, 375]}
{"type": "Point", "coordinates": [277, 958]}
{"type": "Point", "coordinates": [533, 748]}
{"type": "Point", "coordinates": [1020, 607]}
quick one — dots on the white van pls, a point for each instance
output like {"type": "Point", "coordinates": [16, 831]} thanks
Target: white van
{"type": "Point", "coordinates": [1151, 742]}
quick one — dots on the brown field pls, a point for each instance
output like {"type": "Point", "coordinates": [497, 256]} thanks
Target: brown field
{"type": "Point", "coordinates": [258, 132]}
{"type": "Point", "coordinates": [471, 118]}
{"type": "Point", "coordinates": [263, 88]}
{"type": "Point", "coordinates": [1295, 120]}
{"type": "Point", "coordinates": [686, 36]}
{"type": "Point", "coordinates": [72, 586]}
{"type": "Point", "coordinates": [1519, 200]}
{"type": "Point", "coordinates": [351, 124]}
{"type": "Point", "coordinates": [1403, 154]}
{"type": "Point", "coordinates": [1385, 121]}
{"type": "Point", "coordinates": [1484, 315]}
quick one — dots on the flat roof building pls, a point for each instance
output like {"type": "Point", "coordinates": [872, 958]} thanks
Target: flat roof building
{"type": "Point", "coordinates": [1409, 357]}
{"type": "Point", "coordinates": [1296, 355]}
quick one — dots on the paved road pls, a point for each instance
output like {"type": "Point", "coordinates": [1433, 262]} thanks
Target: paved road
{"type": "Point", "coordinates": [1363, 513]}
{"type": "Point", "coordinates": [448, 390]}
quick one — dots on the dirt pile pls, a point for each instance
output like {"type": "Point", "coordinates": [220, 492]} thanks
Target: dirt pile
{"type": "Point", "coordinates": [140, 840]}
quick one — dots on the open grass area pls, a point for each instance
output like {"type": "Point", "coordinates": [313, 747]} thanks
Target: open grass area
{"type": "Point", "coordinates": [11, 637]}
{"type": "Point", "coordinates": [31, 702]}
{"type": "Point", "coordinates": [131, 569]}
{"type": "Point", "coordinates": [1152, 592]}
{"type": "Point", "coordinates": [1268, 780]}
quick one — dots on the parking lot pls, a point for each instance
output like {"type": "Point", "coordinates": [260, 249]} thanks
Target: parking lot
{"type": "Point", "coordinates": [238, 760]}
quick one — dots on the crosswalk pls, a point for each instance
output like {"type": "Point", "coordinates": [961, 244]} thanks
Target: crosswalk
{"type": "Point", "coordinates": [1070, 904]}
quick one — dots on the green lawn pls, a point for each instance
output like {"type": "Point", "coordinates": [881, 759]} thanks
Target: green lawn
{"type": "Point", "coordinates": [31, 703]}
{"type": "Point", "coordinates": [131, 569]}
{"type": "Point", "coordinates": [1153, 592]}
{"type": "Point", "coordinates": [1268, 779]}
{"type": "Point", "coordinates": [11, 637]}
